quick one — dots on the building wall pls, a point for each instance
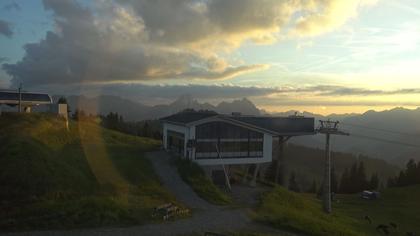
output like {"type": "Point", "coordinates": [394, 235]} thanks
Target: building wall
{"type": "Point", "coordinates": [177, 128]}
{"type": "Point", "coordinates": [59, 109]}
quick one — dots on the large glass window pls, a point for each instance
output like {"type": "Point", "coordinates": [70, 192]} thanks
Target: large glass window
{"type": "Point", "coordinates": [175, 141]}
{"type": "Point", "coordinates": [232, 141]}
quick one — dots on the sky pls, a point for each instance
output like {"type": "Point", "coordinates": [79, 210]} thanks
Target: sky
{"type": "Point", "coordinates": [321, 56]}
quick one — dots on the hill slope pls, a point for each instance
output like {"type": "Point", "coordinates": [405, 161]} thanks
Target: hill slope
{"type": "Point", "coordinates": [370, 131]}
{"type": "Point", "coordinates": [88, 176]}
{"type": "Point", "coordinates": [303, 212]}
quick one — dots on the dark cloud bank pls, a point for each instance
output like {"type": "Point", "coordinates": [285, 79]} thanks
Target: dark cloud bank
{"type": "Point", "coordinates": [5, 29]}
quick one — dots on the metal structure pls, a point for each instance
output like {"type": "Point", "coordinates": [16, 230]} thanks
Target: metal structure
{"type": "Point", "coordinates": [239, 139]}
{"type": "Point", "coordinates": [328, 128]}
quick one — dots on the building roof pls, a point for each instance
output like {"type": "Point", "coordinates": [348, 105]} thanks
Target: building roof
{"type": "Point", "coordinates": [188, 116]}
{"type": "Point", "coordinates": [293, 125]}
{"type": "Point", "coordinates": [12, 98]}
{"type": "Point", "coordinates": [278, 125]}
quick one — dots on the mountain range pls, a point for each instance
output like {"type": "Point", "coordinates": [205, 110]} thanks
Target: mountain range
{"type": "Point", "coordinates": [391, 135]}
{"type": "Point", "coordinates": [135, 111]}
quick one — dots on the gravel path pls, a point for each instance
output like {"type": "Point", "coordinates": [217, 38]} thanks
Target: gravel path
{"type": "Point", "coordinates": [205, 217]}
{"type": "Point", "coordinates": [168, 174]}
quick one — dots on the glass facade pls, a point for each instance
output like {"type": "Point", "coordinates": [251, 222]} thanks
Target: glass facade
{"type": "Point", "coordinates": [175, 141]}
{"type": "Point", "coordinates": [230, 140]}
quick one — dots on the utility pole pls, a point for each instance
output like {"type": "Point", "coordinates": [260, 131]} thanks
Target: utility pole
{"type": "Point", "coordinates": [20, 97]}
{"type": "Point", "coordinates": [328, 127]}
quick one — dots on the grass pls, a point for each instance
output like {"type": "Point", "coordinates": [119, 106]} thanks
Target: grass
{"type": "Point", "coordinates": [303, 213]}
{"type": "Point", "coordinates": [193, 175]}
{"type": "Point", "coordinates": [398, 205]}
{"type": "Point", "coordinates": [53, 178]}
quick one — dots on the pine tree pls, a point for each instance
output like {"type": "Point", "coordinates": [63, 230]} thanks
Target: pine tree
{"type": "Point", "coordinates": [146, 131]}
{"type": "Point", "coordinates": [344, 182]}
{"type": "Point", "coordinates": [320, 191]}
{"type": "Point", "coordinates": [352, 184]}
{"type": "Point", "coordinates": [313, 188]}
{"type": "Point", "coordinates": [418, 173]}
{"type": "Point", "coordinates": [79, 115]}
{"type": "Point", "coordinates": [381, 186]}
{"type": "Point", "coordinates": [411, 172]}
{"type": "Point", "coordinates": [293, 185]}
{"type": "Point", "coordinates": [391, 182]}
{"type": "Point", "coordinates": [361, 178]}
{"type": "Point", "coordinates": [62, 100]}
{"type": "Point", "coordinates": [334, 181]}
{"type": "Point", "coordinates": [401, 180]}
{"type": "Point", "coordinates": [374, 182]}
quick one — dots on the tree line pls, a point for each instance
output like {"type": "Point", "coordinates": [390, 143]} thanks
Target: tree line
{"type": "Point", "coordinates": [407, 177]}
{"type": "Point", "coordinates": [115, 121]}
{"type": "Point", "coordinates": [353, 180]}
{"type": "Point", "coordinates": [148, 128]}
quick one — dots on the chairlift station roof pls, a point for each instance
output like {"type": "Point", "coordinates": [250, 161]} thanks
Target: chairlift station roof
{"type": "Point", "coordinates": [277, 126]}
{"type": "Point", "coordinates": [27, 98]}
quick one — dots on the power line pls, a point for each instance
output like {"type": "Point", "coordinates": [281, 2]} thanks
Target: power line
{"type": "Point", "coordinates": [385, 140]}
{"type": "Point", "coordinates": [380, 129]}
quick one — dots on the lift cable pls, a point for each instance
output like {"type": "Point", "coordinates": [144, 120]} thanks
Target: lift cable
{"type": "Point", "coordinates": [380, 129]}
{"type": "Point", "coordinates": [384, 140]}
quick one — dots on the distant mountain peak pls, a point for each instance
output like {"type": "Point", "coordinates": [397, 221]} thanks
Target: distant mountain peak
{"type": "Point", "coordinates": [185, 101]}
{"type": "Point", "coordinates": [244, 106]}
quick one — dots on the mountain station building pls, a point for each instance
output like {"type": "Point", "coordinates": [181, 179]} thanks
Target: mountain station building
{"type": "Point", "coordinates": [11, 100]}
{"type": "Point", "coordinates": [213, 140]}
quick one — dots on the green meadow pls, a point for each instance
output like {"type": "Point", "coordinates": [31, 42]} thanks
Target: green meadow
{"type": "Point", "coordinates": [52, 177]}
{"type": "Point", "coordinates": [302, 213]}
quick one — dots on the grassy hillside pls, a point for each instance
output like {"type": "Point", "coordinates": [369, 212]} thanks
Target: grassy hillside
{"type": "Point", "coordinates": [86, 176]}
{"type": "Point", "coordinates": [303, 213]}
{"type": "Point", "coordinates": [397, 205]}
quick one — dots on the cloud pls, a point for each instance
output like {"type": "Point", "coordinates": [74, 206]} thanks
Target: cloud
{"type": "Point", "coordinates": [143, 40]}
{"type": "Point", "coordinates": [3, 59]}
{"type": "Point", "coordinates": [5, 29]}
{"type": "Point", "coordinates": [316, 103]}
{"type": "Point", "coordinates": [329, 90]}
{"type": "Point", "coordinates": [318, 18]}
{"type": "Point", "coordinates": [158, 94]}
{"type": "Point", "coordinates": [170, 92]}
{"type": "Point", "coordinates": [12, 6]}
